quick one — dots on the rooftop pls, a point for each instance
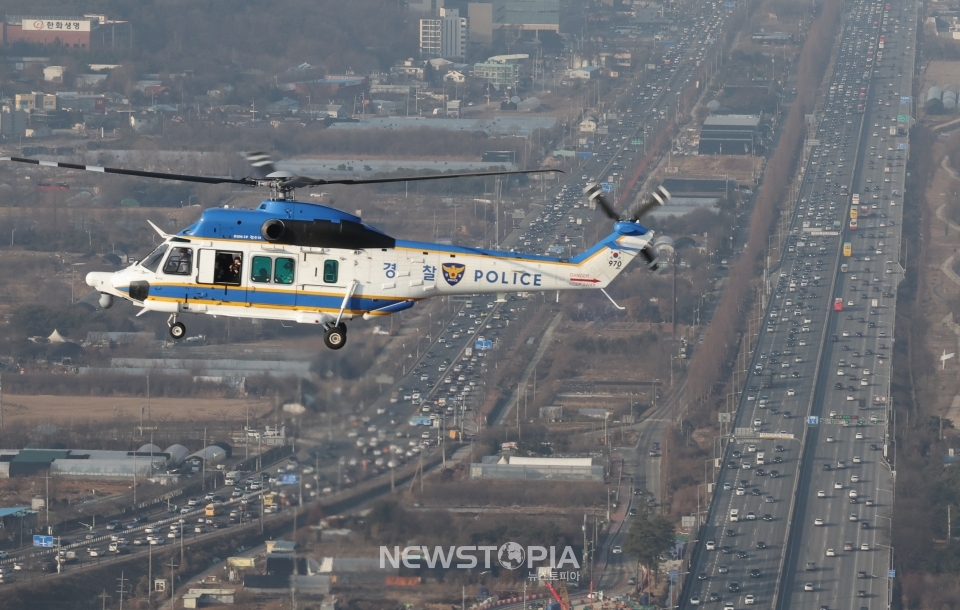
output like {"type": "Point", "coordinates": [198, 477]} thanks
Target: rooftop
{"type": "Point", "coordinates": [501, 125]}
{"type": "Point", "coordinates": [732, 120]}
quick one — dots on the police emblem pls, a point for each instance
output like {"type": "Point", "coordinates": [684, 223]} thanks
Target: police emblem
{"type": "Point", "coordinates": [453, 272]}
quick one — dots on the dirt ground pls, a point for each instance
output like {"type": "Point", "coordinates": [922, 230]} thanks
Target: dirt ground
{"type": "Point", "coordinates": [740, 168]}
{"type": "Point", "coordinates": [941, 288]}
{"type": "Point", "coordinates": [941, 73]}
{"type": "Point", "coordinates": [69, 408]}
{"type": "Point", "coordinates": [19, 492]}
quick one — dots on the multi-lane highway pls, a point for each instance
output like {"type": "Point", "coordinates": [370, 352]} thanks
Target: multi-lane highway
{"type": "Point", "coordinates": [761, 532]}
{"type": "Point", "coordinates": [850, 551]}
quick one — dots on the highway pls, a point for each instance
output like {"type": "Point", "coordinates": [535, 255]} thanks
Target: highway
{"type": "Point", "coordinates": [752, 559]}
{"type": "Point", "coordinates": [857, 578]}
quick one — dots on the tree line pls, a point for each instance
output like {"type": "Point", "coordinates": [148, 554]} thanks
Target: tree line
{"type": "Point", "coordinates": [713, 357]}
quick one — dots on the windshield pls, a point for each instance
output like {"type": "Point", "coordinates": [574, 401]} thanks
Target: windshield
{"type": "Point", "coordinates": [152, 261]}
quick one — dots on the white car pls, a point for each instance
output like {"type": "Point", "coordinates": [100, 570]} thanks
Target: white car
{"type": "Point", "coordinates": [808, 586]}
{"type": "Point", "coordinates": [741, 491]}
{"type": "Point", "coordinates": [749, 600]}
{"type": "Point", "coordinates": [694, 601]}
{"type": "Point", "coordinates": [838, 485]}
{"type": "Point", "coordinates": [818, 522]}
{"type": "Point", "coordinates": [711, 545]}
{"type": "Point", "coordinates": [859, 436]}
{"type": "Point", "coordinates": [821, 494]}
{"type": "Point", "coordinates": [617, 550]}
{"type": "Point", "coordinates": [791, 392]}
{"type": "Point", "coordinates": [864, 546]}
{"type": "Point", "coordinates": [854, 479]}
{"type": "Point", "coordinates": [856, 459]}
{"type": "Point", "coordinates": [829, 439]}
{"type": "Point", "coordinates": [831, 553]}
{"type": "Point", "coordinates": [751, 517]}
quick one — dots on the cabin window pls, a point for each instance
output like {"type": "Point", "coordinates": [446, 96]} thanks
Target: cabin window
{"type": "Point", "coordinates": [152, 262]}
{"type": "Point", "coordinates": [227, 268]}
{"type": "Point", "coordinates": [260, 269]}
{"type": "Point", "coordinates": [283, 271]}
{"type": "Point", "coordinates": [331, 271]}
{"type": "Point", "coordinates": [180, 262]}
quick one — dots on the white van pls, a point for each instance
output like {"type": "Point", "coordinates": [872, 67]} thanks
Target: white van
{"type": "Point", "coordinates": [734, 514]}
{"type": "Point", "coordinates": [760, 458]}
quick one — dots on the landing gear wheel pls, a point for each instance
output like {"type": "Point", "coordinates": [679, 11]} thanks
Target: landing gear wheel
{"type": "Point", "coordinates": [178, 330]}
{"type": "Point", "coordinates": [336, 336]}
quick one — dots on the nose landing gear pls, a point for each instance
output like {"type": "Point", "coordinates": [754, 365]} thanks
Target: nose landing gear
{"type": "Point", "coordinates": [177, 329]}
{"type": "Point", "coordinates": [335, 337]}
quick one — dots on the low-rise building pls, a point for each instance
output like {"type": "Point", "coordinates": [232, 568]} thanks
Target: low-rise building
{"type": "Point", "coordinates": [536, 468]}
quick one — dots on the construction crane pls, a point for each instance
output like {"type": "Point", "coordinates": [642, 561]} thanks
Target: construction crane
{"type": "Point", "coordinates": [563, 596]}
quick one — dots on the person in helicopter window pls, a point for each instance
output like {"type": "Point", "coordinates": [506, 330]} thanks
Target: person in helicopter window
{"type": "Point", "coordinates": [227, 268]}
{"type": "Point", "coordinates": [179, 262]}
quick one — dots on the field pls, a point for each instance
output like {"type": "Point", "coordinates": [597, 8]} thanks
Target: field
{"type": "Point", "coordinates": [19, 408]}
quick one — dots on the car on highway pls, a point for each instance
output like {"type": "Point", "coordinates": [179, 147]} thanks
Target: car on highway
{"type": "Point", "coordinates": [617, 550]}
{"type": "Point", "coordinates": [818, 522]}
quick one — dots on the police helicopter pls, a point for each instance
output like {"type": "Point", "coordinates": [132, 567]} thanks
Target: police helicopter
{"type": "Point", "coordinates": [310, 263]}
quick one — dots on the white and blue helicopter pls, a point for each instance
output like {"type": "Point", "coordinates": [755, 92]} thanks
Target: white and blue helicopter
{"type": "Point", "coordinates": [309, 263]}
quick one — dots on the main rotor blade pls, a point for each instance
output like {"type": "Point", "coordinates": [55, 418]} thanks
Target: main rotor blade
{"type": "Point", "coordinates": [134, 172]}
{"type": "Point", "coordinates": [657, 198]}
{"type": "Point", "coordinates": [321, 182]}
{"type": "Point", "coordinates": [261, 162]}
{"type": "Point", "coordinates": [594, 193]}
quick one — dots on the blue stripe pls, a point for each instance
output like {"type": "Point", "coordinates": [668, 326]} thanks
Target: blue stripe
{"type": "Point", "coordinates": [241, 296]}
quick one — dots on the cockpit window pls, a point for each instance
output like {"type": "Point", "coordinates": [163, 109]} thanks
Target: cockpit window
{"type": "Point", "coordinates": [283, 271]}
{"type": "Point", "coordinates": [152, 261]}
{"type": "Point", "coordinates": [180, 262]}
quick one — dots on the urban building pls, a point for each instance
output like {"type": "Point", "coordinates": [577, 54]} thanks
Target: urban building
{"type": "Point", "coordinates": [481, 23]}
{"type": "Point", "coordinates": [146, 461]}
{"type": "Point", "coordinates": [585, 73]}
{"type": "Point", "coordinates": [30, 102]}
{"type": "Point", "coordinates": [429, 7]}
{"type": "Point", "coordinates": [444, 36]}
{"type": "Point", "coordinates": [731, 134]}
{"type": "Point", "coordinates": [497, 74]}
{"type": "Point", "coordinates": [556, 469]}
{"type": "Point", "coordinates": [86, 32]}
{"type": "Point", "coordinates": [527, 14]}
{"type": "Point", "coordinates": [772, 38]}
{"type": "Point", "coordinates": [512, 125]}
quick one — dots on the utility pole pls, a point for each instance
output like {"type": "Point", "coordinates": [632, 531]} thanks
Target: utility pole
{"type": "Point", "coordinates": [172, 586]}
{"type": "Point", "coordinates": [46, 502]}
{"type": "Point", "coordinates": [121, 589]}
{"type": "Point", "coordinates": [150, 575]}
{"type": "Point", "coordinates": [203, 462]}
{"type": "Point", "coordinates": [103, 596]}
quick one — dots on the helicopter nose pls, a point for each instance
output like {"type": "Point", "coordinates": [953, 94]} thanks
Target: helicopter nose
{"type": "Point", "coordinates": [99, 280]}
